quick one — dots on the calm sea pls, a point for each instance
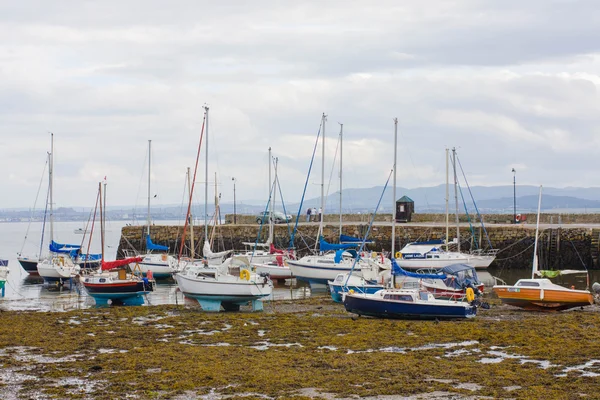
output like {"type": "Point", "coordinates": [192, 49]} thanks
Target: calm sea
{"type": "Point", "coordinates": [24, 292]}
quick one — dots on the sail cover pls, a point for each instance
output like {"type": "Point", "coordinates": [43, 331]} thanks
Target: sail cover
{"type": "Point", "coordinates": [325, 246]}
{"type": "Point", "coordinates": [152, 246]}
{"type": "Point", "coordinates": [63, 248]}
{"type": "Point", "coordinates": [352, 239]}
{"type": "Point", "coordinates": [397, 270]}
{"type": "Point", "coordinates": [106, 265]}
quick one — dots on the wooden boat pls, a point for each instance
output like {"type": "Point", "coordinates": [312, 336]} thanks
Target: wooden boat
{"type": "Point", "coordinates": [406, 304]}
{"type": "Point", "coordinates": [541, 293]}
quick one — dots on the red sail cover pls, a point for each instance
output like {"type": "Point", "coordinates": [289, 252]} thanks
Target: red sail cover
{"type": "Point", "coordinates": [275, 250]}
{"type": "Point", "coordinates": [119, 263]}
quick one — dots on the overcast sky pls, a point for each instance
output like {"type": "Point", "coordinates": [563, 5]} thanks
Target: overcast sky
{"type": "Point", "coordinates": [510, 84]}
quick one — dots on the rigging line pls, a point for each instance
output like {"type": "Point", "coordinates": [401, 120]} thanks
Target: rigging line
{"type": "Point", "coordinates": [192, 190]}
{"type": "Point", "coordinates": [474, 204]}
{"type": "Point", "coordinates": [262, 221]}
{"type": "Point", "coordinates": [331, 175]}
{"type": "Point", "coordinates": [362, 245]}
{"type": "Point", "coordinates": [92, 230]}
{"type": "Point", "coordinates": [33, 209]}
{"type": "Point", "coordinates": [306, 185]}
{"type": "Point", "coordinates": [137, 196]}
{"type": "Point", "coordinates": [87, 224]}
{"type": "Point", "coordinates": [44, 223]}
{"type": "Point", "coordinates": [462, 197]}
{"type": "Point", "coordinates": [283, 205]}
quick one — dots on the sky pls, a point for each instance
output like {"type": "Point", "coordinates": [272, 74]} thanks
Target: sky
{"type": "Point", "coordinates": [509, 84]}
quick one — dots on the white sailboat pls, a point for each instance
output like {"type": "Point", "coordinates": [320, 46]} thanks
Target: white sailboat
{"type": "Point", "coordinates": [434, 254]}
{"type": "Point", "coordinates": [156, 260]}
{"type": "Point", "coordinates": [272, 261]}
{"type": "Point", "coordinates": [228, 285]}
{"type": "Point", "coordinates": [322, 267]}
{"type": "Point", "coordinates": [60, 266]}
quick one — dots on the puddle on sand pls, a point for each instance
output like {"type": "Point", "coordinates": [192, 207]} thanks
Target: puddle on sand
{"type": "Point", "coordinates": [584, 369]}
{"type": "Point", "coordinates": [267, 344]}
{"type": "Point", "coordinates": [501, 356]}
{"type": "Point", "coordinates": [401, 350]}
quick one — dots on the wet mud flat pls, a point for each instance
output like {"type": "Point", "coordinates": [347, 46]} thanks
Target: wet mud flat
{"type": "Point", "coordinates": [298, 349]}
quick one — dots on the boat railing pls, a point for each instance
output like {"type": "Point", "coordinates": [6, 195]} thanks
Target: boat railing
{"type": "Point", "coordinates": [496, 280]}
{"type": "Point", "coordinates": [484, 253]}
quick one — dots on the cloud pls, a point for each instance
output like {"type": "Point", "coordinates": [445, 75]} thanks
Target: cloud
{"type": "Point", "coordinates": [507, 84]}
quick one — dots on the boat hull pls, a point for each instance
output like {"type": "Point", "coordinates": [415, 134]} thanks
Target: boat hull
{"type": "Point", "coordinates": [227, 291]}
{"type": "Point", "coordinates": [161, 265]}
{"type": "Point", "coordinates": [477, 262]}
{"type": "Point", "coordinates": [53, 273]}
{"type": "Point", "coordinates": [29, 265]}
{"type": "Point", "coordinates": [446, 293]}
{"type": "Point", "coordinates": [543, 299]}
{"type": "Point", "coordinates": [274, 271]}
{"type": "Point", "coordinates": [374, 307]}
{"type": "Point", "coordinates": [316, 273]}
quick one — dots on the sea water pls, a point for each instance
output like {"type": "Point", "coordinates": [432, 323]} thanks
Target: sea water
{"type": "Point", "coordinates": [28, 292]}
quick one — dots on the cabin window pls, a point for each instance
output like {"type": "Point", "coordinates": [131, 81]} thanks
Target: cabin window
{"type": "Point", "coordinates": [102, 280]}
{"type": "Point", "coordinates": [436, 256]}
{"type": "Point", "coordinates": [532, 284]}
{"type": "Point", "coordinates": [423, 295]}
{"type": "Point", "coordinates": [325, 261]}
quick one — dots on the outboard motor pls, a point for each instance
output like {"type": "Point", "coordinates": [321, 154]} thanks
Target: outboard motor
{"type": "Point", "coordinates": [596, 288]}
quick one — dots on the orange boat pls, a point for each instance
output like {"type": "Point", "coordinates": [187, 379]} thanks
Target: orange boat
{"type": "Point", "coordinates": [542, 294]}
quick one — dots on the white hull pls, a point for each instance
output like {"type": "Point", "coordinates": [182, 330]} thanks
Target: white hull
{"type": "Point", "coordinates": [57, 268]}
{"type": "Point", "coordinates": [478, 262]}
{"type": "Point", "coordinates": [225, 287]}
{"type": "Point", "coordinates": [274, 271]}
{"type": "Point", "coordinates": [319, 269]}
{"type": "Point", "coordinates": [161, 265]}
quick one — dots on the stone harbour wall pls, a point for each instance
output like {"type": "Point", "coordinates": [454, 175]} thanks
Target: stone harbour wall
{"type": "Point", "coordinates": [564, 247]}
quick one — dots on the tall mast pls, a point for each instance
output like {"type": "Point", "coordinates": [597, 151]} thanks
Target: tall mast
{"type": "Point", "coordinates": [447, 199]}
{"type": "Point", "coordinates": [50, 184]}
{"type": "Point", "coordinates": [101, 223]}
{"type": "Point", "coordinates": [149, 164]}
{"type": "Point", "coordinates": [394, 189]}
{"type": "Point", "coordinates": [206, 181]}
{"type": "Point", "coordinates": [190, 217]}
{"type": "Point", "coordinates": [537, 228]}
{"type": "Point", "coordinates": [276, 160]}
{"type": "Point", "coordinates": [272, 198]}
{"type": "Point", "coordinates": [456, 199]}
{"type": "Point", "coordinates": [341, 153]}
{"type": "Point", "coordinates": [322, 176]}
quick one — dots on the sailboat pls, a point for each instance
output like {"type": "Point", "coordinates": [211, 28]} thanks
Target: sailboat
{"type": "Point", "coordinates": [541, 294]}
{"type": "Point", "coordinates": [60, 267]}
{"type": "Point", "coordinates": [331, 259]}
{"type": "Point", "coordinates": [228, 285]}
{"type": "Point", "coordinates": [156, 260]}
{"type": "Point", "coordinates": [113, 282]}
{"type": "Point", "coordinates": [272, 261]}
{"type": "Point", "coordinates": [434, 254]}
{"type": "Point", "coordinates": [30, 263]}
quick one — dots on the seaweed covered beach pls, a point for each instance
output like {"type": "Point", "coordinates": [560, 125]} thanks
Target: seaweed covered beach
{"type": "Point", "coordinates": [296, 350]}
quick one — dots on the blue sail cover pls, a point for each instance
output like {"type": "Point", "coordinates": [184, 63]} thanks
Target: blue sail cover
{"type": "Point", "coordinates": [90, 257]}
{"type": "Point", "coordinates": [352, 239]}
{"type": "Point", "coordinates": [340, 253]}
{"type": "Point", "coordinates": [397, 270]}
{"type": "Point", "coordinates": [63, 248]}
{"type": "Point", "coordinates": [152, 246]}
{"type": "Point", "coordinates": [325, 246]}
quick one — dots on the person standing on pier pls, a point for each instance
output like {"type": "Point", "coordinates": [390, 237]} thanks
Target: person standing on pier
{"type": "Point", "coordinates": [308, 211]}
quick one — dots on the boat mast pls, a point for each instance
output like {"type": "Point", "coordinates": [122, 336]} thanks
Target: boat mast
{"type": "Point", "coordinates": [190, 217]}
{"type": "Point", "coordinates": [456, 199]}
{"type": "Point", "coordinates": [50, 183]}
{"type": "Point", "coordinates": [101, 221]}
{"type": "Point", "coordinates": [537, 228]}
{"type": "Point", "coordinates": [447, 199]}
{"type": "Point", "coordinates": [324, 119]}
{"type": "Point", "coordinates": [149, 171]}
{"type": "Point", "coordinates": [272, 198]}
{"type": "Point", "coordinates": [206, 181]}
{"type": "Point", "coordinates": [394, 189]}
{"type": "Point", "coordinates": [341, 153]}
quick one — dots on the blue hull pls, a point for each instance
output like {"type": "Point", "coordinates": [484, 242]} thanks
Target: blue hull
{"type": "Point", "coordinates": [126, 299]}
{"type": "Point", "coordinates": [337, 290]}
{"type": "Point", "coordinates": [390, 309]}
